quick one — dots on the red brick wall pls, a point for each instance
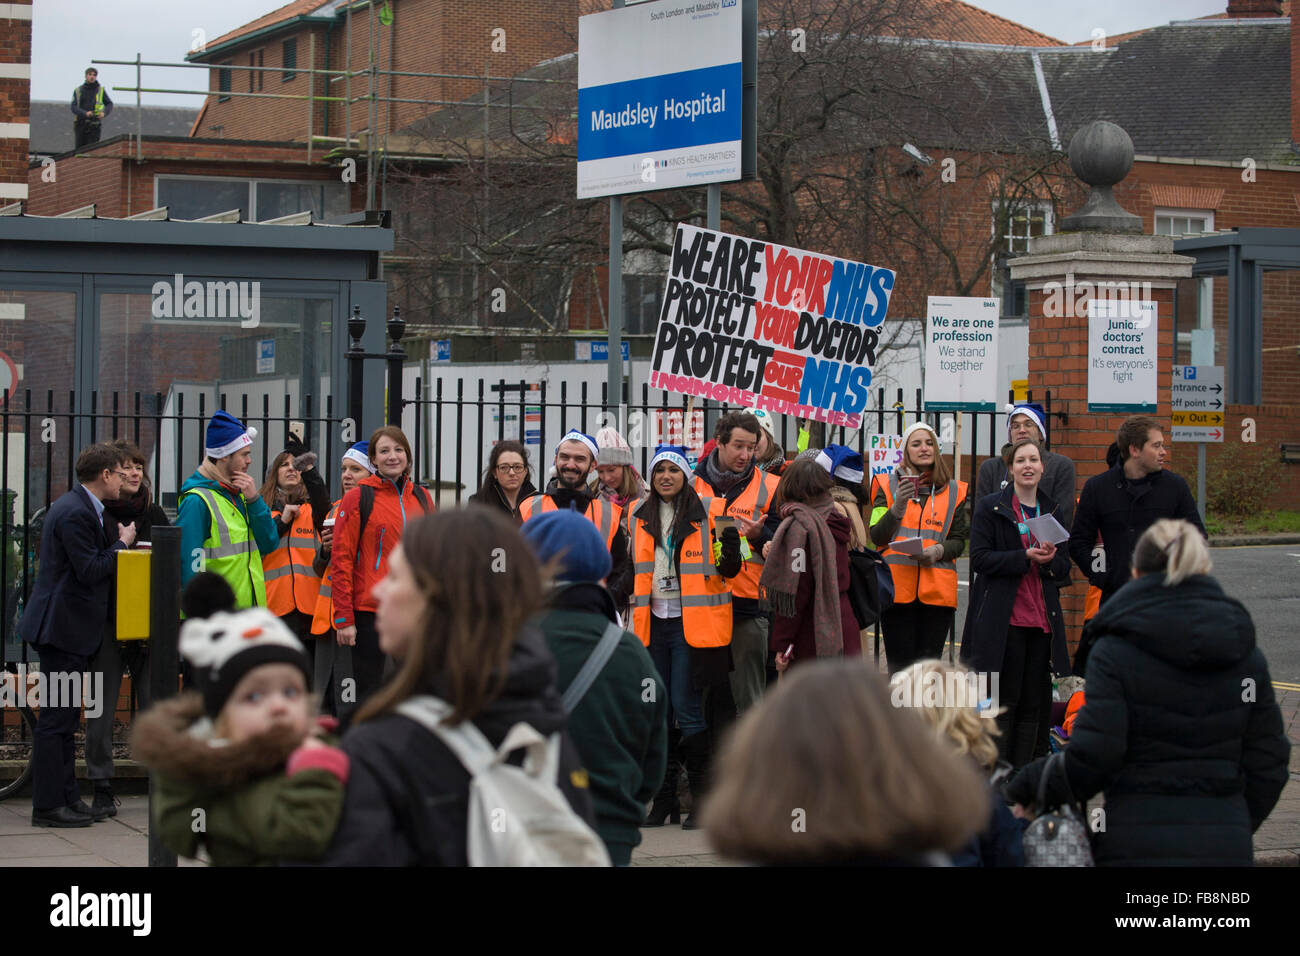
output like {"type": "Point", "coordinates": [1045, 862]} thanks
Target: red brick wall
{"type": "Point", "coordinates": [426, 36]}
{"type": "Point", "coordinates": [1295, 78]}
{"type": "Point", "coordinates": [106, 175]}
{"type": "Point", "coordinates": [15, 97]}
{"type": "Point", "coordinates": [1269, 201]}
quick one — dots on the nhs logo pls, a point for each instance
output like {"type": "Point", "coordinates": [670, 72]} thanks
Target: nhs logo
{"type": "Point", "coordinates": [728, 3]}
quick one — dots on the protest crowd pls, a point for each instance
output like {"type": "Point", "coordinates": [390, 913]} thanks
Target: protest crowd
{"type": "Point", "coordinates": [373, 681]}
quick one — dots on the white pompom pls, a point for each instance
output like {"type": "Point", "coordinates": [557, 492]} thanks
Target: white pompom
{"type": "Point", "coordinates": [252, 432]}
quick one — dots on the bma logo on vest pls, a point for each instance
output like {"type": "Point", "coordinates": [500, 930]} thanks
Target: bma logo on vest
{"type": "Point", "coordinates": [102, 909]}
{"type": "Point", "coordinates": [208, 300]}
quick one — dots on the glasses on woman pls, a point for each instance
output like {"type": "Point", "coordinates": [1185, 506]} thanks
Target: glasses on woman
{"type": "Point", "coordinates": [511, 469]}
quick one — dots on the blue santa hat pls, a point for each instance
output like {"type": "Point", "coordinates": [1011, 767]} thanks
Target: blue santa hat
{"type": "Point", "coordinates": [842, 462]}
{"type": "Point", "coordinates": [1034, 411]}
{"type": "Point", "coordinates": [573, 541]}
{"type": "Point", "coordinates": [574, 435]}
{"type": "Point", "coordinates": [675, 454]}
{"type": "Point", "coordinates": [226, 435]}
{"type": "Point", "coordinates": [360, 453]}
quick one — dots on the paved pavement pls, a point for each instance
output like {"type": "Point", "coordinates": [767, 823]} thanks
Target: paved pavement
{"type": "Point", "coordinates": [123, 840]}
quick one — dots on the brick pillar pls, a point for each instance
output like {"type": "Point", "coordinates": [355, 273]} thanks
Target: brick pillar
{"type": "Point", "coordinates": [15, 98]}
{"type": "Point", "coordinates": [1058, 344]}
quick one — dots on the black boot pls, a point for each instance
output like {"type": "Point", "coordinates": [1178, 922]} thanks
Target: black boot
{"type": "Point", "coordinates": [105, 801]}
{"type": "Point", "coordinates": [696, 752]}
{"type": "Point", "coordinates": [666, 808]}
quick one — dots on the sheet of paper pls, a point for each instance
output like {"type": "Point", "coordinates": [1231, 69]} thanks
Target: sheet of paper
{"type": "Point", "coordinates": [1047, 529]}
{"type": "Point", "coordinates": [912, 546]}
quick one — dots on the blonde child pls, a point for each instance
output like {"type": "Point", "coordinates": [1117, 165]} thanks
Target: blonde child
{"type": "Point", "coordinates": [947, 697]}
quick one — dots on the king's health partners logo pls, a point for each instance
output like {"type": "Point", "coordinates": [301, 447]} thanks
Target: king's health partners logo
{"type": "Point", "coordinates": [209, 299]}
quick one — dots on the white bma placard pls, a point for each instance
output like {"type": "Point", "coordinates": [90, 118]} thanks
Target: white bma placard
{"type": "Point", "coordinates": [1122, 340]}
{"type": "Point", "coordinates": [660, 96]}
{"type": "Point", "coordinates": [961, 354]}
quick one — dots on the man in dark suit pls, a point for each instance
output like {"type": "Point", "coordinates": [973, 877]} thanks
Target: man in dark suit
{"type": "Point", "coordinates": [64, 622]}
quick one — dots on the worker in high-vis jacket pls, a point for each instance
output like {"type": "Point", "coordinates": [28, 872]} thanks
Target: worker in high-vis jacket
{"type": "Point", "coordinates": [225, 525]}
{"type": "Point", "coordinates": [299, 503]}
{"type": "Point", "coordinates": [570, 489]}
{"type": "Point", "coordinates": [682, 611]}
{"type": "Point", "coordinates": [730, 474]}
{"type": "Point", "coordinates": [90, 104]}
{"type": "Point", "coordinates": [920, 518]}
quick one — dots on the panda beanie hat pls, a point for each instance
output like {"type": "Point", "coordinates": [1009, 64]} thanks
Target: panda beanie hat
{"type": "Point", "coordinates": [226, 646]}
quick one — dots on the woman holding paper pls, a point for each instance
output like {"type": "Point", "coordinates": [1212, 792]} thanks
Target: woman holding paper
{"type": "Point", "coordinates": [1014, 625]}
{"type": "Point", "coordinates": [921, 514]}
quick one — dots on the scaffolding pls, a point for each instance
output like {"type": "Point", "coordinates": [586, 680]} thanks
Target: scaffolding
{"type": "Point", "coordinates": [376, 147]}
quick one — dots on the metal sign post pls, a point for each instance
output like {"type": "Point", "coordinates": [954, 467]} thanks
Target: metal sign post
{"type": "Point", "coordinates": [1197, 414]}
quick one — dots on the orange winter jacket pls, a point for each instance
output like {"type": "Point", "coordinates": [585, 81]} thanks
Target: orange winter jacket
{"type": "Point", "coordinates": [356, 566]}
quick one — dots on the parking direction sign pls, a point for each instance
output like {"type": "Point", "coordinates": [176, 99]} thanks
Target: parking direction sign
{"type": "Point", "coordinates": [1196, 403]}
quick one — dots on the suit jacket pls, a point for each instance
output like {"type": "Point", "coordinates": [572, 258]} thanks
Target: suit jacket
{"type": "Point", "coordinates": [69, 605]}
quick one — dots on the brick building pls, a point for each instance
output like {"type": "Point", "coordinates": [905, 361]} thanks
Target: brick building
{"type": "Point", "coordinates": [15, 97]}
{"type": "Point", "coordinates": [1212, 106]}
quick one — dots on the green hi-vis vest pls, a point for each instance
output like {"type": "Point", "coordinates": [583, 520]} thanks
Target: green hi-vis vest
{"type": "Point", "coordinates": [99, 102]}
{"type": "Point", "coordinates": [231, 550]}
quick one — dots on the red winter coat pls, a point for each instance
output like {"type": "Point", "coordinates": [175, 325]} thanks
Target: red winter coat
{"type": "Point", "coordinates": [355, 567]}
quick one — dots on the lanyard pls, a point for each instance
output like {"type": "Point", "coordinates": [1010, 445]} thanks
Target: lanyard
{"type": "Point", "coordinates": [1022, 514]}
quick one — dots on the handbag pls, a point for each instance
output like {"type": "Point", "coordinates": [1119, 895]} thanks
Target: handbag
{"type": "Point", "coordinates": [1057, 836]}
{"type": "Point", "coordinates": [868, 595]}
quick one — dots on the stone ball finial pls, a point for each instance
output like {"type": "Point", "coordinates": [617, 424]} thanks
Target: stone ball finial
{"type": "Point", "coordinates": [1101, 153]}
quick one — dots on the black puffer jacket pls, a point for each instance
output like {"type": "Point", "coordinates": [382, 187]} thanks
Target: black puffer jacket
{"type": "Point", "coordinates": [407, 800]}
{"type": "Point", "coordinates": [1180, 729]}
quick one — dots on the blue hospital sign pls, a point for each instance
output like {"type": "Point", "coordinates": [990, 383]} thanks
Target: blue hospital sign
{"type": "Point", "coordinates": [659, 97]}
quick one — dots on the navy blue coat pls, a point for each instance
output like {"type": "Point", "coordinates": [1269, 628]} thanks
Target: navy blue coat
{"type": "Point", "coordinates": [998, 562]}
{"type": "Point", "coordinates": [1180, 729]}
{"type": "Point", "coordinates": [69, 605]}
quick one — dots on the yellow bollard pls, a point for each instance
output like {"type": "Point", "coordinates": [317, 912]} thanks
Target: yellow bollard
{"type": "Point", "coordinates": [133, 595]}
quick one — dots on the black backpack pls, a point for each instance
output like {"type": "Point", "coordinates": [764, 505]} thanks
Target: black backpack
{"type": "Point", "coordinates": [368, 505]}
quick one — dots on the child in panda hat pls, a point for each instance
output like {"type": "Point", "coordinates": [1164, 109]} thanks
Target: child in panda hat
{"type": "Point", "coordinates": [243, 750]}
{"type": "Point", "coordinates": [1030, 420]}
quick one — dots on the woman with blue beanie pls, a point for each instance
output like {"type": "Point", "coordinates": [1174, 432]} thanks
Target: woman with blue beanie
{"type": "Point", "coordinates": [682, 610]}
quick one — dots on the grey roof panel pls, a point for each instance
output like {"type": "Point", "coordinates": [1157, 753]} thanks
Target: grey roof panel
{"type": "Point", "coordinates": [52, 124]}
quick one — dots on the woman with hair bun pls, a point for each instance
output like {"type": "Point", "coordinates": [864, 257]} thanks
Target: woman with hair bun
{"type": "Point", "coordinates": [1180, 728]}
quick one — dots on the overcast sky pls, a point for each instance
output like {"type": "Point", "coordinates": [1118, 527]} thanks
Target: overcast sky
{"type": "Point", "coordinates": [68, 34]}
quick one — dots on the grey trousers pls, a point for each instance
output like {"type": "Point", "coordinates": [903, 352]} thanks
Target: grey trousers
{"type": "Point", "coordinates": [108, 660]}
{"type": "Point", "coordinates": [333, 667]}
{"type": "Point", "coordinates": [749, 656]}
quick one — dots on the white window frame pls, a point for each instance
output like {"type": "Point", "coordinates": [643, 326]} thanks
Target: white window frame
{"type": "Point", "coordinates": [252, 183]}
{"type": "Point", "coordinates": [1049, 227]}
{"type": "Point", "coordinates": [1173, 212]}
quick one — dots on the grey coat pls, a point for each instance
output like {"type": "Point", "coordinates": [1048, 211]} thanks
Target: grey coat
{"type": "Point", "coordinates": [1057, 482]}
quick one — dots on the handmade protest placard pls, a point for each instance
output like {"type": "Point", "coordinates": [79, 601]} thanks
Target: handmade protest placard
{"type": "Point", "coordinates": [759, 325]}
{"type": "Point", "coordinates": [886, 453]}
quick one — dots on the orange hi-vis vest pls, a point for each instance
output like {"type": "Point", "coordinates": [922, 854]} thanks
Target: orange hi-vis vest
{"type": "Point", "coordinates": [706, 597]}
{"type": "Point", "coordinates": [751, 504]}
{"type": "Point", "coordinates": [937, 585]}
{"type": "Point", "coordinates": [605, 516]}
{"type": "Point", "coordinates": [323, 620]}
{"type": "Point", "coordinates": [291, 584]}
